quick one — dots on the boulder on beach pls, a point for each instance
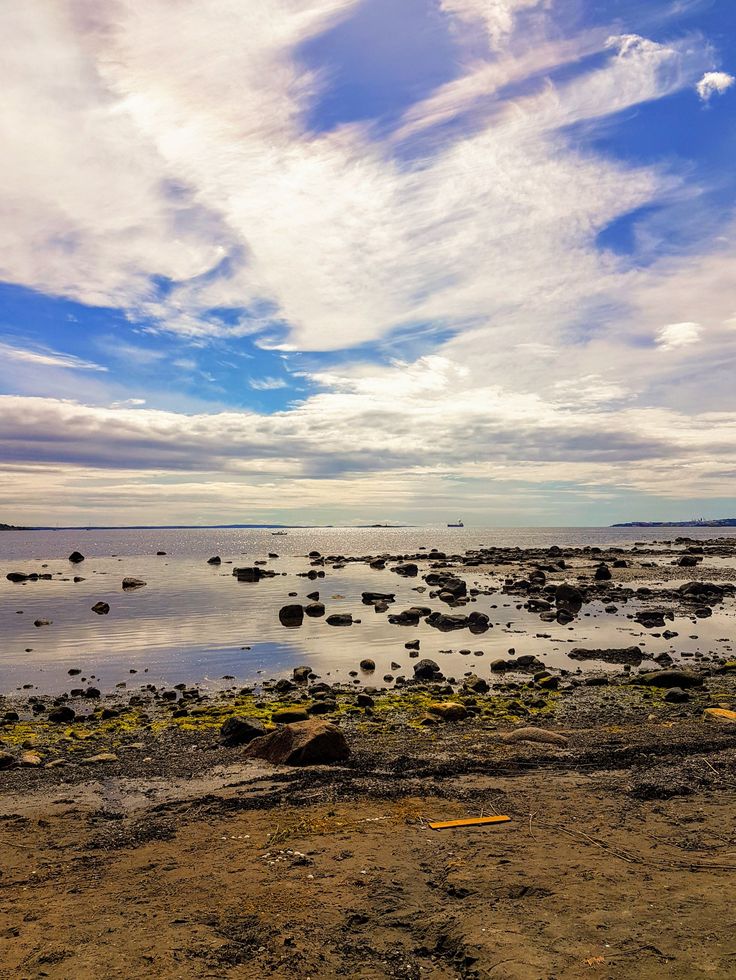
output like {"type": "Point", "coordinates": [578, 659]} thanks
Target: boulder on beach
{"type": "Point", "coordinates": [62, 714]}
{"type": "Point", "coordinates": [75, 557]}
{"type": "Point", "coordinates": [301, 674]}
{"type": "Point", "coordinates": [307, 743]}
{"type": "Point", "coordinates": [427, 670]}
{"type": "Point", "coordinates": [240, 731]}
{"type": "Point", "coordinates": [542, 735]}
{"type": "Point", "coordinates": [448, 710]}
{"type": "Point", "coordinates": [367, 665]}
{"type": "Point", "coordinates": [670, 678]}
{"type": "Point", "coordinates": [568, 597]}
{"type": "Point", "coordinates": [285, 716]}
{"type": "Point", "coordinates": [215, 560]}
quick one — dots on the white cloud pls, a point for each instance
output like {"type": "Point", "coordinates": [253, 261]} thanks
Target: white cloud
{"type": "Point", "coordinates": [714, 83]}
{"type": "Point", "coordinates": [203, 170]}
{"type": "Point", "coordinates": [676, 335]}
{"type": "Point", "coordinates": [267, 384]}
{"type": "Point", "coordinates": [44, 357]}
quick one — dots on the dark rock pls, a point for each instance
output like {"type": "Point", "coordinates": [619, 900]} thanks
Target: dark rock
{"type": "Point", "coordinates": [676, 695]}
{"type": "Point", "coordinates": [476, 684]}
{"type": "Point", "coordinates": [309, 743]}
{"type": "Point", "coordinates": [291, 615]}
{"type": "Point", "coordinates": [240, 731]}
{"type": "Point", "coordinates": [670, 678]}
{"type": "Point", "coordinates": [568, 597]}
{"type": "Point", "coordinates": [75, 557]}
{"type": "Point", "coordinates": [323, 707]}
{"type": "Point", "coordinates": [602, 573]}
{"type": "Point", "coordinates": [301, 674]}
{"type": "Point", "coordinates": [340, 619]}
{"type": "Point", "coordinates": [62, 714]}
{"type": "Point", "coordinates": [42, 622]}
{"type": "Point", "coordinates": [427, 670]}
{"type": "Point", "coordinates": [101, 608]}
{"type": "Point", "coordinates": [133, 583]}
{"type": "Point", "coordinates": [314, 609]}
{"type": "Point", "coordinates": [367, 665]}
{"type": "Point", "coordinates": [408, 570]}
{"type": "Point", "coordinates": [215, 560]}
{"type": "Point", "coordinates": [364, 701]}
{"type": "Point", "coordinates": [624, 655]}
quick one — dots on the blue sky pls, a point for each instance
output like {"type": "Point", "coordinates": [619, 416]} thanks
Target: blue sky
{"type": "Point", "coordinates": [353, 260]}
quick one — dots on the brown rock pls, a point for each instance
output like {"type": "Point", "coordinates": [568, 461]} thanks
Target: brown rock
{"type": "Point", "coordinates": [306, 743]}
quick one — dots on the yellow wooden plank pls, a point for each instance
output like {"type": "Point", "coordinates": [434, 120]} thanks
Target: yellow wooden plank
{"type": "Point", "coordinates": [470, 822]}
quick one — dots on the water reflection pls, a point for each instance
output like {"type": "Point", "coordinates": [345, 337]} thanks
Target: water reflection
{"type": "Point", "coordinates": [194, 622]}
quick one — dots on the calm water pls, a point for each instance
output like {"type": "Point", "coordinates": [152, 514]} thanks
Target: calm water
{"type": "Point", "coordinates": [196, 623]}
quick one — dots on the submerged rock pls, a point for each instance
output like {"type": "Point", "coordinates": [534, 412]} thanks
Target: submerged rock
{"type": "Point", "coordinates": [101, 608]}
{"type": "Point", "coordinates": [76, 557]}
{"type": "Point", "coordinates": [624, 655]}
{"type": "Point", "coordinates": [129, 584]}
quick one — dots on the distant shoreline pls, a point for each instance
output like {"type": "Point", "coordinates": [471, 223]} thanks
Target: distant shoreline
{"type": "Point", "coordinates": [208, 527]}
{"type": "Point", "coordinates": [722, 522]}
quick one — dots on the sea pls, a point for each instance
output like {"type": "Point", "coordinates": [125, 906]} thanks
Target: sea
{"type": "Point", "coordinates": [195, 623]}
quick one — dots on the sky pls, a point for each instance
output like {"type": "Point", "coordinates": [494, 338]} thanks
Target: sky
{"type": "Point", "coordinates": [356, 261]}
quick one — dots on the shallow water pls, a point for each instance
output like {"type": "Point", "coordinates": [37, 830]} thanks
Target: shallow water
{"type": "Point", "coordinates": [195, 623]}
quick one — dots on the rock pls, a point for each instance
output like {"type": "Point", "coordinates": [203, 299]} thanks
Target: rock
{"type": "Point", "coordinates": [133, 583]}
{"type": "Point", "coordinates": [240, 731]}
{"type": "Point", "coordinates": [624, 655]}
{"type": "Point", "coordinates": [291, 616]}
{"type": "Point", "coordinates": [314, 609]}
{"type": "Point", "coordinates": [92, 692]}
{"type": "Point", "coordinates": [248, 574]}
{"type": "Point", "coordinates": [287, 715]}
{"type": "Point", "coordinates": [76, 557]}
{"type": "Point", "coordinates": [408, 569]}
{"type": "Point", "coordinates": [101, 608]}
{"type": "Point", "coordinates": [101, 757]}
{"type": "Point", "coordinates": [568, 597]}
{"type": "Point", "coordinates": [309, 743]}
{"type": "Point", "coordinates": [676, 695]}
{"type": "Point", "coordinates": [534, 735]}
{"type": "Point", "coordinates": [652, 618]}
{"type": "Point", "coordinates": [62, 714]}
{"type": "Point", "coordinates": [301, 674]}
{"type": "Point", "coordinates": [670, 678]}
{"type": "Point", "coordinates": [323, 707]}
{"type": "Point", "coordinates": [720, 714]}
{"type": "Point", "coordinates": [427, 670]}
{"type": "Point", "coordinates": [370, 597]}
{"type": "Point", "coordinates": [364, 701]}
{"type": "Point", "coordinates": [550, 683]}
{"type": "Point", "coordinates": [340, 619]}
{"type": "Point", "coordinates": [602, 573]}
{"type": "Point", "coordinates": [378, 563]}
{"type": "Point", "coordinates": [564, 617]}
{"type": "Point", "coordinates": [448, 710]}
{"type": "Point", "coordinates": [215, 560]}
{"type": "Point", "coordinates": [42, 622]}
{"type": "Point", "coordinates": [6, 760]}
{"type": "Point", "coordinates": [21, 576]}
{"type": "Point", "coordinates": [477, 684]}
{"type": "Point", "coordinates": [445, 623]}
{"type": "Point", "coordinates": [367, 665]}
{"type": "Point", "coordinates": [31, 760]}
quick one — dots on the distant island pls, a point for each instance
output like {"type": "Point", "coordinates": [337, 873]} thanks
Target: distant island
{"type": "Point", "coordinates": [720, 522]}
